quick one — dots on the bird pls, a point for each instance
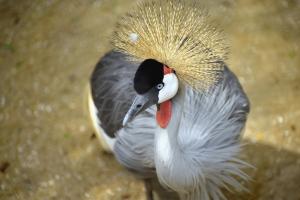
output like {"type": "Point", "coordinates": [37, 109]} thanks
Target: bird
{"type": "Point", "coordinates": [164, 102]}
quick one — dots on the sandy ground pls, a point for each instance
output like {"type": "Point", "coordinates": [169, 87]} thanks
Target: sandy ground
{"type": "Point", "coordinates": [47, 52]}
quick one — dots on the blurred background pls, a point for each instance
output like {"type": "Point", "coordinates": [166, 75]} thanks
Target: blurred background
{"type": "Point", "coordinates": [47, 51]}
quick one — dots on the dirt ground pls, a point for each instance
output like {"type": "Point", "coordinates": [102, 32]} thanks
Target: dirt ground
{"type": "Point", "coordinates": [47, 52]}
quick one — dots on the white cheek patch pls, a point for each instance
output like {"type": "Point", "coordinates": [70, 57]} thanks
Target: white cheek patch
{"type": "Point", "coordinates": [170, 88]}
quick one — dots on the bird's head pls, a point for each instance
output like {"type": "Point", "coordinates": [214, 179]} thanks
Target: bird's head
{"type": "Point", "coordinates": [157, 84]}
{"type": "Point", "coordinates": [166, 37]}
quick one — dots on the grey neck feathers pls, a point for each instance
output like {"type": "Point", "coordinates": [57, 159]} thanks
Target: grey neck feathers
{"type": "Point", "coordinates": [170, 154]}
{"type": "Point", "coordinates": [196, 154]}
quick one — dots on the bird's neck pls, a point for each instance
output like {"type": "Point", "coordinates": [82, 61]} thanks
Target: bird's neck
{"type": "Point", "coordinates": [164, 148]}
{"type": "Point", "coordinates": [166, 136]}
{"type": "Point", "coordinates": [169, 157]}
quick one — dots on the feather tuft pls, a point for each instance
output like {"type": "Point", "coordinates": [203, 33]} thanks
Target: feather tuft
{"type": "Point", "coordinates": [178, 34]}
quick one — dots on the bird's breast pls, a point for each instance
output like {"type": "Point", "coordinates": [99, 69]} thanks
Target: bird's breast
{"type": "Point", "coordinates": [163, 147]}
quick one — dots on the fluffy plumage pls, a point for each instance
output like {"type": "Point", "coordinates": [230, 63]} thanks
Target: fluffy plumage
{"type": "Point", "coordinates": [178, 34]}
{"type": "Point", "coordinates": [204, 142]}
{"type": "Point", "coordinates": [197, 153]}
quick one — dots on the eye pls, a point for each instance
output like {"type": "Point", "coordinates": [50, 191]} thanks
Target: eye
{"type": "Point", "coordinates": [159, 86]}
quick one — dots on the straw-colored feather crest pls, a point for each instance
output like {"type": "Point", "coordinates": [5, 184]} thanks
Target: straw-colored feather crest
{"type": "Point", "coordinates": [176, 33]}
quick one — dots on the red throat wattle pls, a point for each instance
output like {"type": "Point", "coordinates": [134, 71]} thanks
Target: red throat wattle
{"type": "Point", "coordinates": [163, 115]}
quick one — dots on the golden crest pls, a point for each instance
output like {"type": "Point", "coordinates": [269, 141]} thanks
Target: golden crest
{"type": "Point", "coordinates": [176, 33]}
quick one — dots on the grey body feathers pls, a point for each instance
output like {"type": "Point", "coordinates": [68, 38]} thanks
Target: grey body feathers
{"type": "Point", "coordinates": [203, 137]}
{"type": "Point", "coordinates": [134, 147]}
{"type": "Point", "coordinates": [203, 133]}
{"type": "Point", "coordinates": [112, 90]}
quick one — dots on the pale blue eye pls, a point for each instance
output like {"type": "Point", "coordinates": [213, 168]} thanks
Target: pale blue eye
{"type": "Point", "coordinates": [160, 86]}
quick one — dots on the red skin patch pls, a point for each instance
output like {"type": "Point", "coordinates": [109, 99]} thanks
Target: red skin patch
{"type": "Point", "coordinates": [167, 70]}
{"type": "Point", "coordinates": [163, 115]}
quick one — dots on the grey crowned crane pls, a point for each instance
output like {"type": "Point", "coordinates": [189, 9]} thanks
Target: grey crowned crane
{"type": "Point", "coordinates": [164, 102]}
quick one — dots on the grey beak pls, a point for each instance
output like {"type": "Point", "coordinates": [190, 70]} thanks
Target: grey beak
{"type": "Point", "coordinates": [141, 103]}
